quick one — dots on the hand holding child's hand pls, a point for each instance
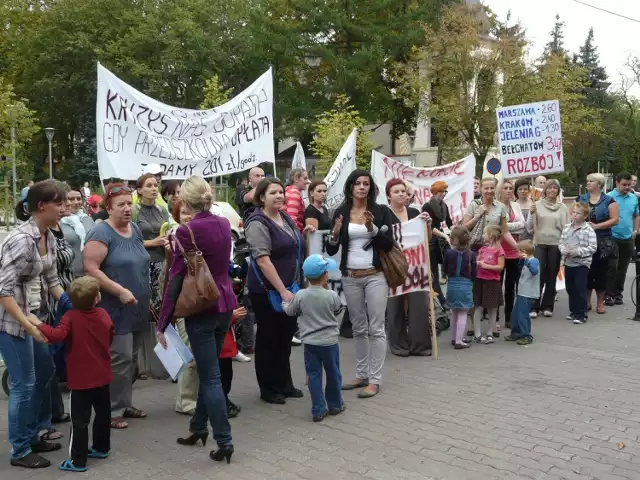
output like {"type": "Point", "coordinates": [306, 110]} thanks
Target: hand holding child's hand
{"type": "Point", "coordinates": [33, 320]}
{"type": "Point", "coordinates": [240, 313]}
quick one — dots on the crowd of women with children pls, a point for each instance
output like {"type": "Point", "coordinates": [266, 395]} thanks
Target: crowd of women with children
{"type": "Point", "coordinates": [89, 295]}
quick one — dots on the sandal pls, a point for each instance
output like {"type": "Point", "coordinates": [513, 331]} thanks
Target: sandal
{"type": "Point", "coordinates": [51, 434]}
{"type": "Point", "coordinates": [64, 418]}
{"type": "Point", "coordinates": [118, 423]}
{"type": "Point", "coordinates": [68, 466]}
{"type": "Point", "coordinates": [31, 461]}
{"type": "Point", "coordinates": [132, 412]}
{"type": "Point", "coordinates": [93, 453]}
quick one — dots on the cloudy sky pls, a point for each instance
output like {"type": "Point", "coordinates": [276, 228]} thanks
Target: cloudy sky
{"type": "Point", "coordinates": [615, 37]}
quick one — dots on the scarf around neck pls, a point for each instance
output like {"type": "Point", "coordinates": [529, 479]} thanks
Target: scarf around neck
{"type": "Point", "coordinates": [75, 221]}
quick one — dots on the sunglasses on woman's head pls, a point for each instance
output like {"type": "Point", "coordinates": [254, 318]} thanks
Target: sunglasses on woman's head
{"type": "Point", "coordinates": [116, 190]}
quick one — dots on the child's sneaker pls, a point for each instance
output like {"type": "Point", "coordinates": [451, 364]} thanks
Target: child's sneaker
{"type": "Point", "coordinates": [524, 341]}
{"type": "Point", "coordinates": [533, 315]}
{"type": "Point", "coordinates": [547, 313]}
{"type": "Point", "coordinates": [489, 340]}
{"type": "Point", "coordinates": [579, 321]}
{"type": "Point", "coordinates": [319, 418]}
{"type": "Point", "coordinates": [570, 317]}
{"type": "Point", "coordinates": [480, 339]}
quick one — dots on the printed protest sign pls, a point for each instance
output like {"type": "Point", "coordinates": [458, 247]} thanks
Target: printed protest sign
{"type": "Point", "coordinates": [411, 237]}
{"type": "Point", "coordinates": [344, 164]}
{"type": "Point", "coordinates": [458, 175]}
{"type": "Point", "coordinates": [134, 130]}
{"type": "Point", "coordinates": [530, 138]}
{"type": "Point", "coordinates": [315, 244]}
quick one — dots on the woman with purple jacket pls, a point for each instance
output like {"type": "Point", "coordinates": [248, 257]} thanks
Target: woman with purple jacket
{"type": "Point", "coordinates": [207, 329]}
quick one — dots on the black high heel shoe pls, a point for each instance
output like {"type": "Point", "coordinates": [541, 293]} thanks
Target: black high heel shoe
{"type": "Point", "coordinates": [222, 453]}
{"type": "Point", "coordinates": [193, 439]}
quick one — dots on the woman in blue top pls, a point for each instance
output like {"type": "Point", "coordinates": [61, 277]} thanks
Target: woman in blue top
{"type": "Point", "coordinates": [603, 214]}
{"type": "Point", "coordinates": [114, 254]}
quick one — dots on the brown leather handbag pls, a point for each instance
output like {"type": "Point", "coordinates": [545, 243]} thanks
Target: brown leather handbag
{"type": "Point", "coordinates": [394, 266]}
{"type": "Point", "coordinates": [199, 290]}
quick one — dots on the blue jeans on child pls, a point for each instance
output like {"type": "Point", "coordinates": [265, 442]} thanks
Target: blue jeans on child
{"type": "Point", "coordinates": [30, 366]}
{"type": "Point", "coordinates": [576, 281]}
{"type": "Point", "coordinates": [315, 357]}
{"type": "Point", "coordinates": [520, 319]}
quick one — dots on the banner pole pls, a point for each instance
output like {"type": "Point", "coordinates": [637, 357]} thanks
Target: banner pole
{"type": "Point", "coordinates": [432, 294]}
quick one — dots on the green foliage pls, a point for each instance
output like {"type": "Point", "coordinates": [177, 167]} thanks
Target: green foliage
{"type": "Point", "coordinates": [214, 94]}
{"type": "Point", "coordinates": [331, 131]}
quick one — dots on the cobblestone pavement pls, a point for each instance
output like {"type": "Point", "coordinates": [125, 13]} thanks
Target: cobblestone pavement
{"type": "Point", "coordinates": [558, 409]}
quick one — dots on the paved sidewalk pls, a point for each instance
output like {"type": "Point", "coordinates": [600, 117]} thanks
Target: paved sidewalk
{"type": "Point", "coordinates": [557, 409]}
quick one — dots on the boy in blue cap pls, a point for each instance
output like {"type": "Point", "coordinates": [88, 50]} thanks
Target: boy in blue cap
{"type": "Point", "coordinates": [319, 312]}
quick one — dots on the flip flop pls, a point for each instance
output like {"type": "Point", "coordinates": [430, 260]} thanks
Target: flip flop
{"type": "Point", "coordinates": [93, 453]}
{"type": "Point", "coordinates": [68, 466]}
{"type": "Point", "coordinates": [51, 434]}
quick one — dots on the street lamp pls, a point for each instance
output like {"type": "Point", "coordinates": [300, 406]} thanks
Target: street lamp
{"type": "Point", "coordinates": [49, 133]}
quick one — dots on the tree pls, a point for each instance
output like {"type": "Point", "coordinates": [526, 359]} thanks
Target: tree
{"type": "Point", "coordinates": [596, 86]}
{"type": "Point", "coordinates": [331, 131]}
{"type": "Point", "coordinates": [214, 94]}
{"type": "Point", "coordinates": [14, 113]}
{"type": "Point", "coordinates": [555, 46]}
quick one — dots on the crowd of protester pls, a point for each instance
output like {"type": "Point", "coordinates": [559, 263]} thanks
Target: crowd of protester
{"type": "Point", "coordinates": [86, 290]}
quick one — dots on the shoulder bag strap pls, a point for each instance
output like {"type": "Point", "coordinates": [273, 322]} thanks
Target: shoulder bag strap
{"type": "Point", "coordinates": [193, 239]}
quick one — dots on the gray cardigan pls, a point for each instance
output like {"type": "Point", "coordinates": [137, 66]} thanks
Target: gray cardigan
{"type": "Point", "coordinates": [72, 238]}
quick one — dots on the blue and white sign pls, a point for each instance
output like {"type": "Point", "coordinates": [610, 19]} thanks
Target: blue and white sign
{"type": "Point", "coordinates": [530, 139]}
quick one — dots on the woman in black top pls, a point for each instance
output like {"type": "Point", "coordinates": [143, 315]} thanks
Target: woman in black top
{"type": "Point", "coordinates": [439, 213]}
{"type": "Point", "coordinates": [362, 229]}
{"type": "Point", "coordinates": [408, 328]}
{"type": "Point", "coordinates": [316, 213]}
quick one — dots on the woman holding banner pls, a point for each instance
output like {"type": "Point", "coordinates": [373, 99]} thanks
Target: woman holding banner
{"type": "Point", "coordinates": [363, 228]}
{"type": "Point", "coordinates": [438, 210]}
{"type": "Point", "coordinates": [408, 330]}
{"type": "Point", "coordinates": [603, 214]}
{"type": "Point", "coordinates": [547, 220]}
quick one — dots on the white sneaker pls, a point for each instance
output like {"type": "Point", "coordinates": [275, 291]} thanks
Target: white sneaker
{"type": "Point", "coordinates": [241, 357]}
{"type": "Point", "coordinates": [295, 341]}
{"type": "Point", "coordinates": [547, 313]}
{"type": "Point", "coordinates": [533, 315]}
{"type": "Point", "coordinates": [489, 340]}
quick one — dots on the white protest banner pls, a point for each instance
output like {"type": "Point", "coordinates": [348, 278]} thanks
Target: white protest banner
{"type": "Point", "coordinates": [411, 237]}
{"type": "Point", "coordinates": [344, 164]}
{"type": "Point", "coordinates": [299, 160]}
{"type": "Point", "coordinates": [530, 138]}
{"type": "Point", "coordinates": [458, 176]}
{"type": "Point", "coordinates": [315, 245]}
{"type": "Point", "coordinates": [134, 130]}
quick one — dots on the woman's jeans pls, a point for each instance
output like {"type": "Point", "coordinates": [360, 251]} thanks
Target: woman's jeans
{"type": "Point", "coordinates": [367, 301]}
{"type": "Point", "coordinates": [206, 335]}
{"type": "Point", "coordinates": [549, 257]}
{"type": "Point", "coordinates": [30, 366]}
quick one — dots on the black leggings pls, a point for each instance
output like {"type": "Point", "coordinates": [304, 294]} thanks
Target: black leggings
{"type": "Point", "coordinates": [509, 277]}
{"type": "Point", "coordinates": [549, 258]}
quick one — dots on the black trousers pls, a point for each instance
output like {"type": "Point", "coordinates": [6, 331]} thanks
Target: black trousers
{"type": "Point", "coordinates": [625, 252]}
{"type": "Point", "coordinates": [435, 276]}
{"type": "Point", "coordinates": [273, 347]}
{"type": "Point", "coordinates": [509, 277]}
{"type": "Point", "coordinates": [82, 401]}
{"type": "Point", "coordinates": [576, 281]}
{"type": "Point", "coordinates": [549, 258]}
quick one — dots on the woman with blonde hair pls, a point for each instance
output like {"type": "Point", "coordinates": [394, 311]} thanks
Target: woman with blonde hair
{"type": "Point", "coordinates": [211, 235]}
{"type": "Point", "coordinates": [547, 220]}
{"type": "Point", "coordinates": [603, 214]}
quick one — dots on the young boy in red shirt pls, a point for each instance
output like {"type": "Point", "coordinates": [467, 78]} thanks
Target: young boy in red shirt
{"type": "Point", "coordinates": [89, 332]}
